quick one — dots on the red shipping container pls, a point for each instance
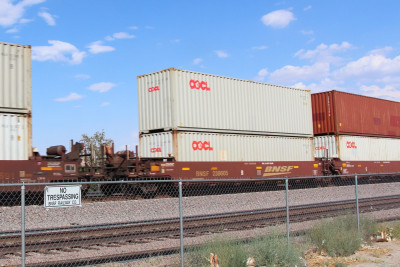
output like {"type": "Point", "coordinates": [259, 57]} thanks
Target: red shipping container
{"type": "Point", "coordinates": [339, 113]}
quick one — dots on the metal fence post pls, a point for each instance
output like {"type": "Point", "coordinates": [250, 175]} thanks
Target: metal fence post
{"type": "Point", "coordinates": [358, 210]}
{"type": "Point", "coordinates": [181, 220]}
{"type": "Point", "coordinates": [23, 225]}
{"type": "Point", "coordinates": [287, 210]}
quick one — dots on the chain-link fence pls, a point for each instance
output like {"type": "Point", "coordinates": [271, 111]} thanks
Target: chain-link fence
{"type": "Point", "coordinates": [160, 222]}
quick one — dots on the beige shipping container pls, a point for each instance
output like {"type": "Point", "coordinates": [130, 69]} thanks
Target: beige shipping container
{"type": "Point", "coordinates": [15, 78]}
{"type": "Point", "coordinates": [357, 148]}
{"type": "Point", "coordinates": [176, 99]}
{"type": "Point", "coordinates": [201, 146]}
{"type": "Point", "coordinates": [15, 136]}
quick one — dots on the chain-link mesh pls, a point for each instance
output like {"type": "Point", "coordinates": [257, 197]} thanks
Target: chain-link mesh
{"type": "Point", "coordinates": [139, 223]}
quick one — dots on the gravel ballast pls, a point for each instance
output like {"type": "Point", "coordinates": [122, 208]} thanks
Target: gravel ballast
{"type": "Point", "coordinates": [150, 209]}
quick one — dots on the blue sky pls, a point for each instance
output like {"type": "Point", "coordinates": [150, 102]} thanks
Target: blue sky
{"type": "Point", "coordinates": [87, 54]}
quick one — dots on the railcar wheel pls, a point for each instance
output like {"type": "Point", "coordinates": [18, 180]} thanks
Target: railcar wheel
{"type": "Point", "coordinates": [110, 189]}
{"type": "Point", "coordinates": [130, 190]}
{"type": "Point", "coordinates": [148, 190]}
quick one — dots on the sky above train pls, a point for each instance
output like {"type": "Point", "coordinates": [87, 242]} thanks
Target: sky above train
{"type": "Point", "coordinates": [87, 54]}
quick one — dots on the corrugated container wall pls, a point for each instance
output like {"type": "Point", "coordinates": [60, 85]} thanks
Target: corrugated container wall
{"type": "Point", "coordinates": [15, 136]}
{"type": "Point", "coordinates": [199, 146]}
{"type": "Point", "coordinates": [183, 100]}
{"type": "Point", "coordinates": [15, 78]}
{"type": "Point", "coordinates": [357, 148]}
{"type": "Point", "coordinates": [339, 113]}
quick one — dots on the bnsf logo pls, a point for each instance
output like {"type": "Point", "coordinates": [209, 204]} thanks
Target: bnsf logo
{"type": "Point", "coordinates": [199, 145]}
{"type": "Point", "coordinates": [195, 84]}
{"type": "Point", "coordinates": [350, 144]}
{"type": "Point", "coordinates": [278, 168]}
{"type": "Point", "coordinates": [155, 149]}
{"type": "Point", "coordinates": [320, 148]}
{"type": "Point", "coordinates": [155, 88]}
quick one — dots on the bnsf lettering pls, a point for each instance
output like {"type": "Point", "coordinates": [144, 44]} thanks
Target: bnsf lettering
{"type": "Point", "coordinates": [350, 144]}
{"type": "Point", "coordinates": [202, 173]}
{"type": "Point", "coordinates": [278, 168]}
{"type": "Point", "coordinates": [199, 145]}
{"type": "Point", "coordinates": [155, 149]}
{"type": "Point", "coordinates": [320, 148]}
{"type": "Point", "coordinates": [152, 89]}
{"type": "Point", "coordinates": [195, 84]}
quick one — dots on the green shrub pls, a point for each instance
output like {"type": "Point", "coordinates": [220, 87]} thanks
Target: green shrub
{"type": "Point", "coordinates": [340, 236]}
{"type": "Point", "coordinates": [396, 231]}
{"type": "Point", "coordinates": [368, 228]}
{"type": "Point", "coordinates": [273, 250]}
{"type": "Point", "coordinates": [230, 254]}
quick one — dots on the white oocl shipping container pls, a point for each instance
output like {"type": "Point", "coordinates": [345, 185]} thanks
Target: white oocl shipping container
{"type": "Point", "coordinates": [176, 99]}
{"type": "Point", "coordinates": [198, 146]}
{"type": "Point", "coordinates": [15, 136]}
{"type": "Point", "coordinates": [357, 148]}
{"type": "Point", "coordinates": [15, 78]}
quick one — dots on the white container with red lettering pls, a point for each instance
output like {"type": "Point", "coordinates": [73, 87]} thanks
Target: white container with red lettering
{"type": "Point", "coordinates": [202, 146]}
{"type": "Point", "coordinates": [175, 99]}
{"type": "Point", "coordinates": [357, 148]}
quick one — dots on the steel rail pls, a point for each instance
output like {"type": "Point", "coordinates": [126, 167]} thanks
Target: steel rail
{"type": "Point", "coordinates": [136, 232]}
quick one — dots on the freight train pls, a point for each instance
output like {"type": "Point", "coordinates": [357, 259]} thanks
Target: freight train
{"type": "Point", "coordinates": [197, 126]}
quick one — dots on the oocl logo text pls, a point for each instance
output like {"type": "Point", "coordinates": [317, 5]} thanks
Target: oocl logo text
{"type": "Point", "coordinates": [195, 84]}
{"type": "Point", "coordinates": [199, 145]}
{"type": "Point", "coordinates": [155, 88]}
{"type": "Point", "coordinates": [320, 148]}
{"type": "Point", "coordinates": [155, 149]}
{"type": "Point", "coordinates": [350, 144]}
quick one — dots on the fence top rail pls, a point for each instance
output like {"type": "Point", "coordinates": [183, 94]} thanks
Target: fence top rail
{"type": "Point", "coordinates": [186, 180]}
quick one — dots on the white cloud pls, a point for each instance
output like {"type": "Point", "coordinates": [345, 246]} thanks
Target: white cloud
{"type": "Point", "coordinates": [388, 92]}
{"type": "Point", "coordinates": [82, 76]}
{"type": "Point", "coordinates": [261, 47]}
{"type": "Point", "coordinates": [98, 47]}
{"type": "Point", "coordinates": [278, 18]}
{"type": "Point", "coordinates": [102, 87]}
{"type": "Point", "coordinates": [123, 35]}
{"type": "Point", "coordinates": [307, 8]}
{"type": "Point", "coordinates": [58, 51]}
{"type": "Point", "coordinates": [120, 35]}
{"type": "Point", "coordinates": [23, 21]}
{"type": "Point", "coordinates": [71, 97]}
{"type": "Point", "coordinates": [309, 32]}
{"type": "Point", "coordinates": [292, 74]}
{"type": "Point", "coordinates": [105, 104]}
{"type": "Point", "coordinates": [197, 61]}
{"type": "Point", "coordinates": [324, 52]}
{"type": "Point", "coordinates": [47, 17]}
{"type": "Point", "coordinates": [13, 30]}
{"type": "Point", "coordinates": [221, 54]}
{"type": "Point", "coordinates": [12, 13]}
{"type": "Point", "coordinates": [134, 27]}
{"type": "Point", "coordinates": [381, 51]}
{"type": "Point", "coordinates": [372, 68]}
{"type": "Point", "coordinates": [323, 58]}
{"type": "Point", "coordinates": [374, 74]}
{"type": "Point", "coordinates": [320, 86]}
{"type": "Point", "coordinates": [261, 75]}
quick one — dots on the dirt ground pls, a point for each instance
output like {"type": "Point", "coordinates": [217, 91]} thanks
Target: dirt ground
{"type": "Point", "coordinates": [385, 254]}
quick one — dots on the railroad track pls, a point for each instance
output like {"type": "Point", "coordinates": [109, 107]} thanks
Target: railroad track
{"type": "Point", "coordinates": [73, 238]}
